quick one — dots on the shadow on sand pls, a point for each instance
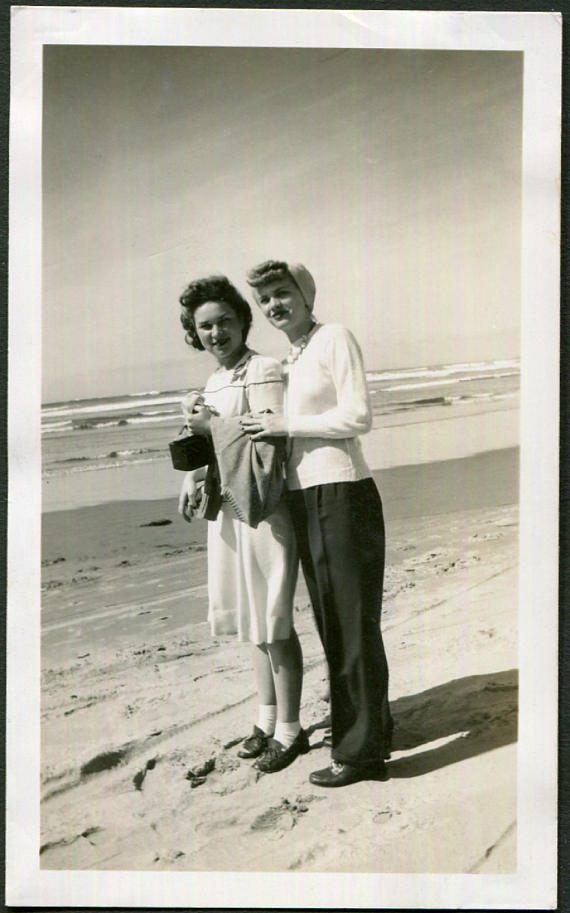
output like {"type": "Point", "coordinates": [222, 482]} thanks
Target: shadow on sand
{"type": "Point", "coordinates": [479, 710]}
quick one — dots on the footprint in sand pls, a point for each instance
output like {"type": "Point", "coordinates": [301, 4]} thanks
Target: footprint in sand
{"type": "Point", "coordinates": [234, 775]}
{"type": "Point", "coordinates": [84, 578]}
{"type": "Point", "coordinates": [285, 815]}
{"type": "Point", "coordinates": [384, 815]}
{"type": "Point", "coordinates": [168, 856]}
{"type": "Point", "coordinates": [426, 558]}
{"type": "Point", "coordinates": [311, 855]}
{"type": "Point", "coordinates": [277, 815]}
{"type": "Point", "coordinates": [52, 585]}
{"type": "Point", "coordinates": [466, 561]}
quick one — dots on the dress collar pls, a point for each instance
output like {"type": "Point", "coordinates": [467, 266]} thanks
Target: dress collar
{"type": "Point", "coordinates": [238, 370]}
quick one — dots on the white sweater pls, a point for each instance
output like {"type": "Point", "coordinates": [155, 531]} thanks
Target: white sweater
{"type": "Point", "coordinates": [327, 405]}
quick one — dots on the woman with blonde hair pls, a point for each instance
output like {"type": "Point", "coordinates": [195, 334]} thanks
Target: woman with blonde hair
{"type": "Point", "coordinates": [337, 514]}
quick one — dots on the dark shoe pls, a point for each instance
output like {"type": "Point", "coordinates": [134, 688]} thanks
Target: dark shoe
{"type": "Point", "coordinates": [277, 756]}
{"type": "Point", "coordinates": [345, 774]}
{"type": "Point", "coordinates": [254, 745]}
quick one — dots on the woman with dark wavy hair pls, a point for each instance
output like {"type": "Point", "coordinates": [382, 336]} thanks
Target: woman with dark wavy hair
{"type": "Point", "coordinates": [337, 513]}
{"type": "Point", "coordinates": [252, 571]}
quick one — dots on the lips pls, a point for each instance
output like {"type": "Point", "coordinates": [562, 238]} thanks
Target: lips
{"type": "Point", "coordinates": [277, 313]}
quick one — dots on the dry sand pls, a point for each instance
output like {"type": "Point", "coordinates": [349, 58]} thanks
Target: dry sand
{"type": "Point", "coordinates": [142, 709]}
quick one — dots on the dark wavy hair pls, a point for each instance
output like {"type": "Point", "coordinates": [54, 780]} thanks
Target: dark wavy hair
{"type": "Point", "coordinates": [212, 288]}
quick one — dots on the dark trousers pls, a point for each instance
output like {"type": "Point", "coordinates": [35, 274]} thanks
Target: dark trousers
{"type": "Point", "coordinates": [340, 534]}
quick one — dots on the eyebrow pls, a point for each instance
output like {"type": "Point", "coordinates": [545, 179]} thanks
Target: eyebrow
{"type": "Point", "coordinates": [205, 321]}
{"type": "Point", "coordinates": [280, 288]}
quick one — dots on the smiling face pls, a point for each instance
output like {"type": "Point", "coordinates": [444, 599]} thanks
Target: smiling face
{"type": "Point", "coordinates": [220, 331]}
{"type": "Point", "coordinates": [283, 304]}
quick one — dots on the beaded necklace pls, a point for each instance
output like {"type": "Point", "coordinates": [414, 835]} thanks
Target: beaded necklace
{"type": "Point", "coordinates": [300, 344]}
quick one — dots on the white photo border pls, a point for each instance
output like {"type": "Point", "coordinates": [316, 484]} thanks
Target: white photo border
{"type": "Point", "coordinates": [538, 36]}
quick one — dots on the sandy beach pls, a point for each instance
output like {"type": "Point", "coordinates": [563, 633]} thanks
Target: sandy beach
{"type": "Point", "coordinates": [142, 710]}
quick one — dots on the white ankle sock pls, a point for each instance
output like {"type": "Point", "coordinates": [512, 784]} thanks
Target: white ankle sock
{"type": "Point", "coordinates": [286, 733]}
{"type": "Point", "coordinates": [266, 716]}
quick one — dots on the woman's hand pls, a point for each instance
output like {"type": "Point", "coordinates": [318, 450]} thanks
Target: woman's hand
{"type": "Point", "coordinates": [199, 421]}
{"type": "Point", "coordinates": [263, 425]}
{"type": "Point", "coordinates": [190, 496]}
{"type": "Point", "coordinates": [192, 399]}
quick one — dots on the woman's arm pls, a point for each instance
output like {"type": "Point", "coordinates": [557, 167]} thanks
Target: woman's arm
{"type": "Point", "coordinates": [189, 500]}
{"type": "Point", "coordinates": [353, 413]}
{"type": "Point", "coordinates": [350, 417]}
{"type": "Point", "coordinates": [199, 421]}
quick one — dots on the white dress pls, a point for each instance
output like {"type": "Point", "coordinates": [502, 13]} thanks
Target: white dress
{"type": "Point", "coordinates": [252, 573]}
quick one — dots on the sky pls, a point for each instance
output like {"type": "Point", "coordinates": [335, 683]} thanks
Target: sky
{"type": "Point", "coordinates": [393, 175]}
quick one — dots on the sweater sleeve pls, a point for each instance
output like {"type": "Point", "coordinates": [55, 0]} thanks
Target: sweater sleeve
{"type": "Point", "coordinates": [353, 413]}
{"type": "Point", "coordinates": [264, 385]}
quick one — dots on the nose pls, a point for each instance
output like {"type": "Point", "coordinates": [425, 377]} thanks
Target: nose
{"type": "Point", "coordinates": [215, 331]}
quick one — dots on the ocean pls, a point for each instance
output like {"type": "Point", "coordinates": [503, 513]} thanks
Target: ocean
{"type": "Point", "coordinates": [86, 435]}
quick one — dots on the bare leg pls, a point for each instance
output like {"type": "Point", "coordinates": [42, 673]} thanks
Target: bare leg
{"type": "Point", "coordinates": [263, 675]}
{"type": "Point", "coordinates": [290, 739]}
{"type": "Point", "coordinates": [264, 728]}
{"type": "Point", "coordinates": [287, 665]}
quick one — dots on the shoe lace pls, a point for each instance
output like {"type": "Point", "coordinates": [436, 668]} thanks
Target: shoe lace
{"type": "Point", "coordinates": [337, 767]}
